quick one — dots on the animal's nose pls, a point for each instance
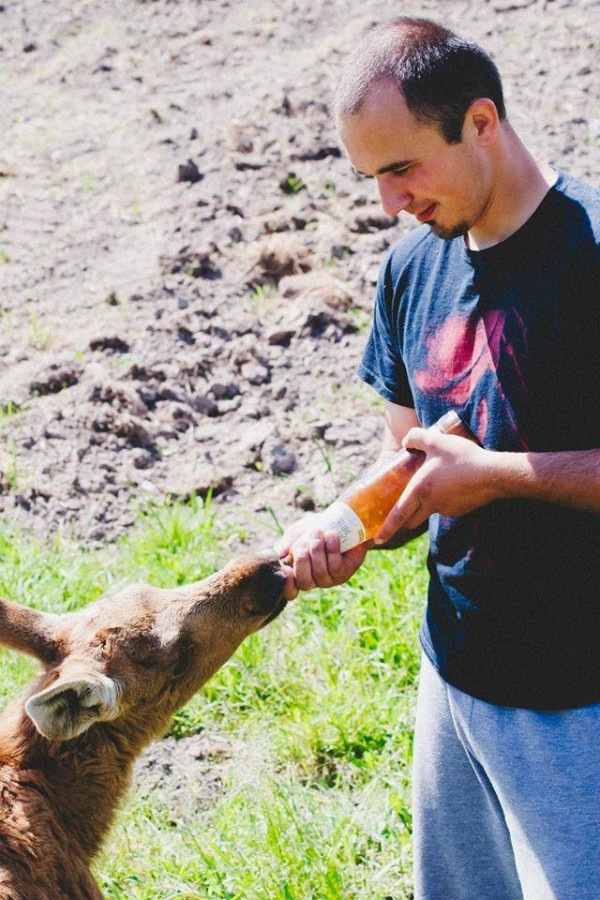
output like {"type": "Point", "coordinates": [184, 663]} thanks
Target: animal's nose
{"type": "Point", "coordinates": [270, 555]}
{"type": "Point", "coordinates": [263, 582]}
{"type": "Point", "coordinates": [274, 597]}
{"type": "Point", "coordinates": [274, 572]}
{"type": "Point", "coordinates": [263, 569]}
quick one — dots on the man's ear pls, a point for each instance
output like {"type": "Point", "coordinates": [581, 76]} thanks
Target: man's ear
{"type": "Point", "coordinates": [28, 630]}
{"type": "Point", "coordinates": [70, 706]}
{"type": "Point", "coordinates": [482, 117]}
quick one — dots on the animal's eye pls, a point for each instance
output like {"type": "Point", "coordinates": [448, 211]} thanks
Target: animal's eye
{"type": "Point", "coordinates": [103, 645]}
{"type": "Point", "coordinates": [183, 661]}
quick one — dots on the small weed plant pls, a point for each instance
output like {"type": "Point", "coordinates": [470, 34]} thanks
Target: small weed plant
{"type": "Point", "coordinates": [321, 703]}
{"type": "Point", "coordinates": [39, 335]}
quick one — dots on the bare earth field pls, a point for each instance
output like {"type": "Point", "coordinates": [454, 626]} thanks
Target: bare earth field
{"type": "Point", "coordinates": [187, 262]}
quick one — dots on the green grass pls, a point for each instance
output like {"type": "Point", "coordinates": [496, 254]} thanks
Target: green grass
{"type": "Point", "coordinates": [320, 704]}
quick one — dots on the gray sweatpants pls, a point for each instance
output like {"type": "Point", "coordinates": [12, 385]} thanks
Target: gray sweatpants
{"type": "Point", "coordinates": [506, 801]}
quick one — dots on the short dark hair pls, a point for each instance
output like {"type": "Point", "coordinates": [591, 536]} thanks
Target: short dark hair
{"type": "Point", "coordinates": [438, 72]}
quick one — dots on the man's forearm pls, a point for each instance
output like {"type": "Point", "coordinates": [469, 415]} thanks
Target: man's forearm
{"type": "Point", "coordinates": [571, 478]}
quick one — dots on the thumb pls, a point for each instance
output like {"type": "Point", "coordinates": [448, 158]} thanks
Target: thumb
{"type": "Point", "coordinates": [294, 531]}
{"type": "Point", "coordinates": [416, 439]}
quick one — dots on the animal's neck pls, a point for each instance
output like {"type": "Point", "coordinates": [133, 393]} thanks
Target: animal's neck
{"type": "Point", "coordinates": [82, 780]}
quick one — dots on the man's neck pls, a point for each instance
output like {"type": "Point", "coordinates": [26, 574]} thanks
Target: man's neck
{"type": "Point", "coordinates": [520, 185]}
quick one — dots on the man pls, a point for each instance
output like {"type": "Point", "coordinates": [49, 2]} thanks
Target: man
{"type": "Point", "coordinates": [490, 308]}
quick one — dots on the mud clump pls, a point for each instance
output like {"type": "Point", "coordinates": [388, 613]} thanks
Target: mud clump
{"type": "Point", "coordinates": [276, 257]}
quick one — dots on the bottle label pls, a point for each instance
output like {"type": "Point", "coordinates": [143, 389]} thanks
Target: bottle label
{"type": "Point", "coordinates": [340, 518]}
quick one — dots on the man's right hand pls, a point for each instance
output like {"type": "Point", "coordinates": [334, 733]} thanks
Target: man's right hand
{"type": "Point", "coordinates": [317, 561]}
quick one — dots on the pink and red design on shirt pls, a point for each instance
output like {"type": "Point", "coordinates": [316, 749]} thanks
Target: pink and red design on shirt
{"type": "Point", "coordinates": [466, 348]}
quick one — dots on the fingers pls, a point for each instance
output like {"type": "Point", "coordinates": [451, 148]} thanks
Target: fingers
{"type": "Point", "coordinates": [318, 561]}
{"type": "Point", "coordinates": [337, 562]}
{"type": "Point", "coordinates": [311, 563]}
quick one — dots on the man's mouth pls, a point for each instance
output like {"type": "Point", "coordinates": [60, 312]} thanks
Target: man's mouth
{"type": "Point", "coordinates": [426, 214]}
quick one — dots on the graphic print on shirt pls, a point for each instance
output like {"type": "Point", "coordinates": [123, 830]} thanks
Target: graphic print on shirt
{"type": "Point", "coordinates": [466, 350]}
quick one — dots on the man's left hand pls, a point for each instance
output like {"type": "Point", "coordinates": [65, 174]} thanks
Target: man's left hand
{"type": "Point", "coordinates": [456, 477]}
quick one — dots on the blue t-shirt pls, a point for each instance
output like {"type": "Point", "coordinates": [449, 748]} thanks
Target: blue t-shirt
{"type": "Point", "coordinates": [509, 337]}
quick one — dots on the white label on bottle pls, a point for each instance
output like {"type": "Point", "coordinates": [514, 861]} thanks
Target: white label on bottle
{"type": "Point", "coordinates": [340, 518]}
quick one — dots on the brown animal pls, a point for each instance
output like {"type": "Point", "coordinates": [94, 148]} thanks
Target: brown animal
{"type": "Point", "coordinates": [114, 674]}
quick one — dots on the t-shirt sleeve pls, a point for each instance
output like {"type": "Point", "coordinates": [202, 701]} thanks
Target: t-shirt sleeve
{"type": "Point", "coordinates": [382, 366]}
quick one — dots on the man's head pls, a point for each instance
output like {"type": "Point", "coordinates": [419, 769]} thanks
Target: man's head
{"type": "Point", "coordinates": [438, 73]}
{"type": "Point", "coordinates": [419, 108]}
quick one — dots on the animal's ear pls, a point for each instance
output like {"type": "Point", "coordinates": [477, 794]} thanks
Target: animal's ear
{"type": "Point", "coordinates": [70, 706]}
{"type": "Point", "coordinates": [28, 630]}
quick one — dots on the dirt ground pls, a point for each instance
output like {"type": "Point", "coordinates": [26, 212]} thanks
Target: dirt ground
{"type": "Point", "coordinates": [187, 262]}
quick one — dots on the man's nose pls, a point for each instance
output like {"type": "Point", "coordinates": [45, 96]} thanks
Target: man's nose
{"type": "Point", "coordinates": [393, 197]}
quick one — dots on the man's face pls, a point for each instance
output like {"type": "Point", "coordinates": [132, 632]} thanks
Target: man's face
{"type": "Point", "coordinates": [445, 185]}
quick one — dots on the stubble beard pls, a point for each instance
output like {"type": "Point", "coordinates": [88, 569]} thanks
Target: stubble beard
{"type": "Point", "coordinates": [449, 233]}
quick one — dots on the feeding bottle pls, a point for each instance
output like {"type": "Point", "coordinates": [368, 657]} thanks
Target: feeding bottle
{"type": "Point", "coordinates": [360, 511]}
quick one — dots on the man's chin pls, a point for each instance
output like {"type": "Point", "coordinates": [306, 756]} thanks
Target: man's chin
{"type": "Point", "coordinates": [448, 233]}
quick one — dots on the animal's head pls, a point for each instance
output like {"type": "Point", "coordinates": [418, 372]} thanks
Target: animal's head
{"type": "Point", "coordinates": [141, 654]}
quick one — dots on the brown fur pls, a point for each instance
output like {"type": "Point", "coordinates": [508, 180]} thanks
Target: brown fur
{"type": "Point", "coordinates": [59, 789]}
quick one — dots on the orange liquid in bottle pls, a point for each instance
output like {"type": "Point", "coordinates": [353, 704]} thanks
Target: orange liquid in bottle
{"type": "Point", "coordinates": [373, 496]}
{"type": "Point", "coordinates": [360, 511]}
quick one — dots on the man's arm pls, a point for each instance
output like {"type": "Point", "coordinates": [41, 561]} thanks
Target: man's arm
{"type": "Point", "coordinates": [397, 422]}
{"type": "Point", "coordinates": [571, 478]}
{"type": "Point", "coordinates": [458, 477]}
